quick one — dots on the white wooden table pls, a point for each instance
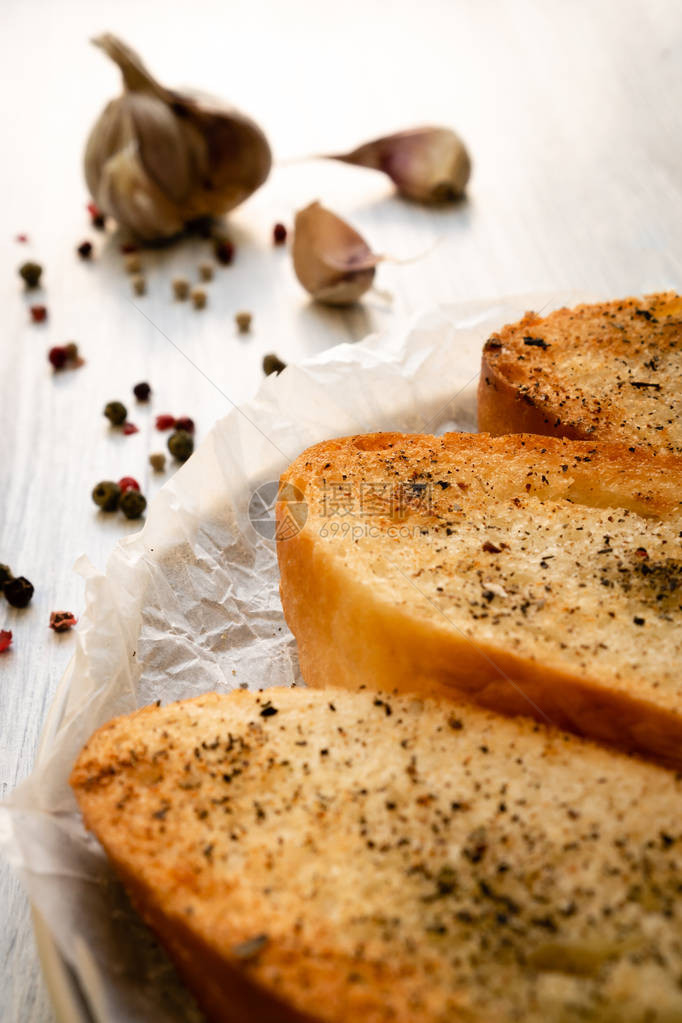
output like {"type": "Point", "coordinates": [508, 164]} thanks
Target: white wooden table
{"type": "Point", "coordinates": [573, 114]}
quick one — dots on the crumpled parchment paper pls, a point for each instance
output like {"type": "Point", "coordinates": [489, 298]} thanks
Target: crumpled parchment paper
{"type": "Point", "coordinates": [191, 604]}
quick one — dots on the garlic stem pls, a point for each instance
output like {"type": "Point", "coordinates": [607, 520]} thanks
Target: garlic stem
{"type": "Point", "coordinates": [136, 78]}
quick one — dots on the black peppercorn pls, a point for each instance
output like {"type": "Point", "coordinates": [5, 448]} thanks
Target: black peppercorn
{"type": "Point", "coordinates": [181, 445]}
{"type": "Point", "coordinates": [106, 495]}
{"type": "Point", "coordinates": [84, 250]}
{"type": "Point", "coordinates": [30, 272]}
{"type": "Point", "coordinates": [142, 391]}
{"type": "Point", "coordinates": [132, 504]}
{"type": "Point", "coordinates": [5, 575]}
{"type": "Point", "coordinates": [273, 364]}
{"type": "Point", "coordinates": [116, 413]}
{"type": "Point", "coordinates": [18, 591]}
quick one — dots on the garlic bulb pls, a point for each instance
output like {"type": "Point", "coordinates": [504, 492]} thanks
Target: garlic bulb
{"type": "Point", "coordinates": [332, 261]}
{"type": "Point", "coordinates": [157, 159]}
{"type": "Point", "coordinates": [425, 164]}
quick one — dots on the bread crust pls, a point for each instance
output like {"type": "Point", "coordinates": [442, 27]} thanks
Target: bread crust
{"type": "Point", "coordinates": [335, 856]}
{"type": "Point", "coordinates": [609, 371]}
{"type": "Point", "coordinates": [225, 993]}
{"type": "Point", "coordinates": [342, 641]}
{"type": "Point", "coordinates": [348, 634]}
{"type": "Point", "coordinates": [503, 409]}
{"type": "Point", "coordinates": [281, 982]}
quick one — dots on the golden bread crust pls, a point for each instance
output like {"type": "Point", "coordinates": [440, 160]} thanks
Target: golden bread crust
{"type": "Point", "coordinates": [610, 371]}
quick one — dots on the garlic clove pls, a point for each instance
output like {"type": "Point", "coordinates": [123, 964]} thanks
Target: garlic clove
{"type": "Point", "coordinates": [170, 154]}
{"type": "Point", "coordinates": [427, 165]}
{"type": "Point", "coordinates": [331, 260]}
{"type": "Point", "coordinates": [238, 156]}
{"type": "Point", "coordinates": [114, 132]}
{"type": "Point", "coordinates": [127, 193]}
{"type": "Point", "coordinates": [346, 292]}
{"type": "Point", "coordinates": [186, 155]}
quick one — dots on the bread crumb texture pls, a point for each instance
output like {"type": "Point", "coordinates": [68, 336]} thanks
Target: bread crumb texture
{"type": "Point", "coordinates": [363, 856]}
{"type": "Point", "coordinates": [560, 554]}
{"type": "Point", "coordinates": [611, 371]}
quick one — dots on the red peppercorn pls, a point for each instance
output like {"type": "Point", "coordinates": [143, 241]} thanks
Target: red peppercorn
{"type": "Point", "coordinates": [96, 215]}
{"type": "Point", "coordinates": [128, 483]}
{"type": "Point", "coordinates": [129, 428]}
{"type": "Point", "coordinates": [38, 313]}
{"type": "Point", "coordinates": [185, 423]}
{"type": "Point", "coordinates": [22, 238]}
{"type": "Point", "coordinates": [128, 247]}
{"type": "Point", "coordinates": [279, 234]}
{"type": "Point", "coordinates": [224, 251]}
{"type": "Point", "coordinates": [5, 639]}
{"type": "Point", "coordinates": [58, 356]}
{"type": "Point", "coordinates": [84, 250]}
{"type": "Point", "coordinates": [61, 621]}
{"type": "Point", "coordinates": [165, 421]}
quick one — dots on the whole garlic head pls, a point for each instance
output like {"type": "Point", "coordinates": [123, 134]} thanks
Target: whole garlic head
{"type": "Point", "coordinates": [157, 159]}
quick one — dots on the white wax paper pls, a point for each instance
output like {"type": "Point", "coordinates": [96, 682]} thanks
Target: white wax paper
{"type": "Point", "coordinates": [191, 604]}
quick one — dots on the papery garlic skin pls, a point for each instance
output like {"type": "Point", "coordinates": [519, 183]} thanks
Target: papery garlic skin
{"type": "Point", "coordinates": [346, 292]}
{"type": "Point", "coordinates": [157, 159]}
{"type": "Point", "coordinates": [427, 165]}
{"type": "Point", "coordinates": [331, 260]}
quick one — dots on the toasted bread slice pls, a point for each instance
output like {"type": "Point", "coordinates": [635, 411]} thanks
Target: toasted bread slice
{"type": "Point", "coordinates": [611, 371]}
{"type": "Point", "coordinates": [534, 575]}
{"type": "Point", "coordinates": [337, 856]}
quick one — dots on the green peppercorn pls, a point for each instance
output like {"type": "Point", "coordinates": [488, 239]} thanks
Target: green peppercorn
{"type": "Point", "coordinates": [116, 413]}
{"type": "Point", "coordinates": [181, 445]}
{"type": "Point", "coordinates": [106, 495]}
{"type": "Point", "coordinates": [132, 504]}
{"type": "Point", "coordinates": [5, 575]}
{"type": "Point", "coordinates": [18, 591]}
{"type": "Point", "coordinates": [30, 272]}
{"type": "Point", "coordinates": [273, 364]}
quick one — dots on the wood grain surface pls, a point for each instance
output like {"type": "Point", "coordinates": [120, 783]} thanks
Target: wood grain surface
{"type": "Point", "coordinates": [573, 116]}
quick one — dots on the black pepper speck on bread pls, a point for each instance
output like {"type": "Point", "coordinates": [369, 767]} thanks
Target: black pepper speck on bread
{"type": "Point", "coordinates": [337, 856]}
